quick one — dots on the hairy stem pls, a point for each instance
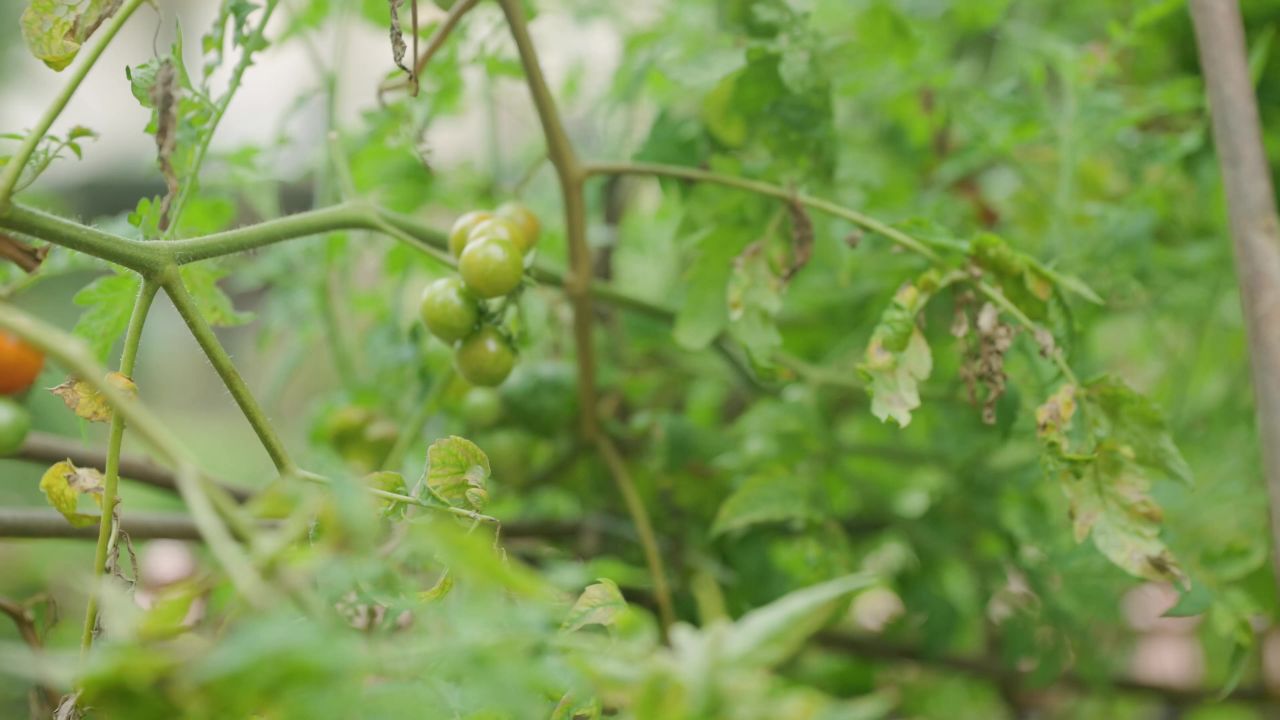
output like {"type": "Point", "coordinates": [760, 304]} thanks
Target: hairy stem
{"type": "Point", "coordinates": [13, 170]}
{"type": "Point", "coordinates": [107, 527]}
{"type": "Point", "coordinates": [226, 369]}
{"type": "Point", "coordinates": [136, 255]}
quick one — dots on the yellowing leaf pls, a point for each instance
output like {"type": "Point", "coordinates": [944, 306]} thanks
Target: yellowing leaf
{"type": "Point", "coordinates": [599, 604]}
{"type": "Point", "coordinates": [1108, 481]}
{"type": "Point", "coordinates": [898, 357]}
{"type": "Point", "coordinates": [64, 484]}
{"type": "Point", "coordinates": [456, 470]}
{"type": "Point", "coordinates": [86, 402]}
{"type": "Point", "coordinates": [439, 590]}
{"type": "Point", "coordinates": [55, 29]}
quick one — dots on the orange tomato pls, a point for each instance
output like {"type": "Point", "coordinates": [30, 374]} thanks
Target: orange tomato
{"type": "Point", "coordinates": [20, 363]}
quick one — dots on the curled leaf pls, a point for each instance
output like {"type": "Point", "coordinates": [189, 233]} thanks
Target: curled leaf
{"type": "Point", "coordinates": [86, 402]}
{"type": "Point", "coordinates": [457, 471]}
{"type": "Point", "coordinates": [63, 484]}
{"type": "Point", "coordinates": [55, 29]}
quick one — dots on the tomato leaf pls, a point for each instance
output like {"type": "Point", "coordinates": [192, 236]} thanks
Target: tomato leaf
{"type": "Point", "coordinates": [87, 402]}
{"type": "Point", "coordinates": [55, 29]}
{"type": "Point", "coordinates": [456, 469]}
{"type": "Point", "coordinates": [600, 604]}
{"type": "Point", "coordinates": [898, 357]}
{"type": "Point", "coordinates": [770, 634]}
{"type": "Point", "coordinates": [64, 484]}
{"type": "Point", "coordinates": [108, 303]}
{"type": "Point", "coordinates": [765, 498]}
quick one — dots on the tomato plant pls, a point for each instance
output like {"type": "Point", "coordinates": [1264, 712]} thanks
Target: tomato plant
{"type": "Point", "coordinates": [746, 359]}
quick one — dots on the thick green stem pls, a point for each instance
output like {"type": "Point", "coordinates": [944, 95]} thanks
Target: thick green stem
{"type": "Point", "coordinates": [107, 527]}
{"type": "Point", "coordinates": [226, 369]}
{"type": "Point", "coordinates": [352, 215]}
{"type": "Point", "coordinates": [136, 255]}
{"type": "Point", "coordinates": [72, 354]}
{"type": "Point", "coordinates": [570, 173]}
{"type": "Point", "coordinates": [256, 41]}
{"type": "Point", "coordinates": [90, 55]}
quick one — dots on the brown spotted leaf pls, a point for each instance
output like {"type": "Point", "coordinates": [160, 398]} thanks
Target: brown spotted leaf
{"type": "Point", "coordinates": [86, 402]}
{"type": "Point", "coordinates": [55, 29]}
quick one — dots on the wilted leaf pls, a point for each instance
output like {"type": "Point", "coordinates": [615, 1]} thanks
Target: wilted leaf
{"type": "Point", "coordinates": [55, 29]}
{"type": "Point", "coordinates": [164, 99]}
{"type": "Point", "coordinates": [898, 356]}
{"type": "Point", "coordinates": [768, 635]}
{"type": "Point", "coordinates": [599, 604]}
{"type": "Point", "coordinates": [1108, 478]}
{"type": "Point", "coordinates": [63, 484]}
{"type": "Point", "coordinates": [87, 402]}
{"type": "Point", "coordinates": [455, 466]}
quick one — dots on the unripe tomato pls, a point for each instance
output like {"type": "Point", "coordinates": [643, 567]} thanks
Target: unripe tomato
{"type": "Point", "coordinates": [485, 358]}
{"type": "Point", "coordinates": [15, 422]}
{"type": "Point", "coordinates": [525, 220]}
{"type": "Point", "coordinates": [20, 363]}
{"type": "Point", "coordinates": [491, 265]}
{"type": "Point", "coordinates": [462, 227]}
{"type": "Point", "coordinates": [503, 227]}
{"type": "Point", "coordinates": [449, 310]}
{"type": "Point", "coordinates": [481, 408]}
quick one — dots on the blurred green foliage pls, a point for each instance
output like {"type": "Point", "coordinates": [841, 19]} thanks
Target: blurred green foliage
{"type": "Point", "coordinates": [1074, 131]}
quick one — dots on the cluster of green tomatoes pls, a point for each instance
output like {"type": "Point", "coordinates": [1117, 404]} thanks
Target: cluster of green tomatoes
{"type": "Point", "coordinates": [465, 310]}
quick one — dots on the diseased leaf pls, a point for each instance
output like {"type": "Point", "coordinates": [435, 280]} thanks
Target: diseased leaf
{"type": "Point", "coordinates": [456, 467]}
{"type": "Point", "coordinates": [1137, 426]}
{"type": "Point", "coordinates": [55, 29]}
{"type": "Point", "coordinates": [898, 357]}
{"type": "Point", "coordinates": [108, 303]}
{"type": "Point", "coordinates": [1108, 478]}
{"type": "Point", "coordinates": [64, 484]}
{"type": "Point", "coordinates": [599, 604]}
{"type": "Point", "coordinates": [770, 634]}
{"type": "Point", "coordinates": [85, 400]}
{"type": "Point", "coordinates": [765, 498]}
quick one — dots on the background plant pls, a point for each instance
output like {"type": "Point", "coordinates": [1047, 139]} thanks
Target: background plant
{"type": "Point", "coordinates": [728, 348]}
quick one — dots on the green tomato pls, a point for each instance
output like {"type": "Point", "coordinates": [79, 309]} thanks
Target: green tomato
{"type": "Point", "coordinates": [481, 407]}
{"type": "Point", "coordinates": [491, 265]}
{"type": "Point", "coordinates": [462, 227]}
{"type": "Point", "coordinates": [505, 227]}
{"type": "Point", "coordinates": [449, 310]}
{"type": "Point", "coordinates": [485, 358]}
{"type": "Point", "coordinates": [525, 221]}
{"type": "Point", "coordinates": [15, 422]}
